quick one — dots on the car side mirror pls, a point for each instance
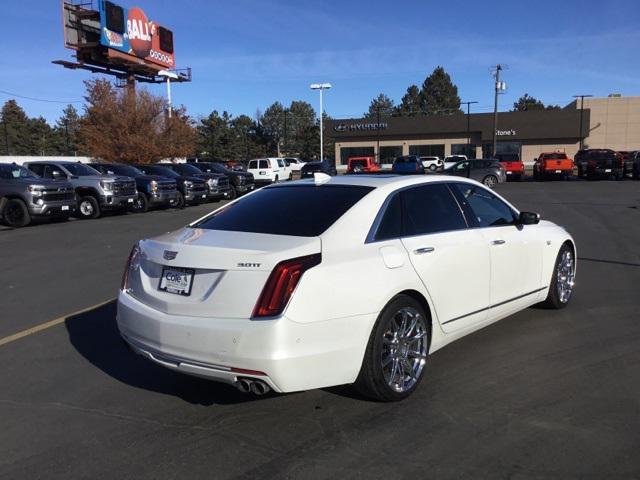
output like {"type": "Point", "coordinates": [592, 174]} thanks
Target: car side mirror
{"type": "Point", "coordinates": [528, 218]}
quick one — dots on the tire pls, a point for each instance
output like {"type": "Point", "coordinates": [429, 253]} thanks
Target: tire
{"type": "Point", "coordinates": [290, 177]}
{"type": "Point", "coordinates": [88, 208]}
{"type": "Point", "coordinates": [16, 213]}
{"type": "Point", "coordinates": [140, 204]}
{"type": "Point", "coordinates": [276, 180]}
{"type": "Point", "coordinates": [379, 377]}
{"type": "Point", "coordinates": [563, 279]}
{"type": "Point", "coordinates": [233, 193]}
{"type": "Point", "coordinates": [432, 167]}
{"type": "Point", "coordinates": [181, 202]}
{"type": "Point", "coordinates": [490, 181]}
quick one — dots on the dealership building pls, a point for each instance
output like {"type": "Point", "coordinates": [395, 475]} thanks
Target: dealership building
{"type": "Point", "coordinates": [610, 122]}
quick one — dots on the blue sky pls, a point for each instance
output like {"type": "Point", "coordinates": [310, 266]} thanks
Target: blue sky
{"type": "Point", "coordinates": [247, 54]}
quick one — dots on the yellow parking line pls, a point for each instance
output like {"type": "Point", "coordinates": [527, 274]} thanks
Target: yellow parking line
{"type": "Point", "coordinates": [49, 324]}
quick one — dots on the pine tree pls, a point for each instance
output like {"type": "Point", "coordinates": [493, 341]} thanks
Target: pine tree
{"type": "Point", "coordinates": [439, 94]}
{"type": "Point", "coordinates": [410, 104]}
{"type": "Point", "coordinates": [381, 106]}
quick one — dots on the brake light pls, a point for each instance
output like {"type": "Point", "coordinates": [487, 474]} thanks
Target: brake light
{"type": "Point", "coordinates": [281, 283]}
{"type": "Point", "coordinates": [133, 257]}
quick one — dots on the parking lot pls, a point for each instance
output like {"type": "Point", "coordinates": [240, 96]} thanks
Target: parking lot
{"type": "Point", "coordinates": [540, 394]}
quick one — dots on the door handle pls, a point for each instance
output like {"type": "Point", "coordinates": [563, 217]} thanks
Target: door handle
{"type": "Point", "coordinates": [498, 242]}
{"type": "Point", "coordinates": [423, 250]}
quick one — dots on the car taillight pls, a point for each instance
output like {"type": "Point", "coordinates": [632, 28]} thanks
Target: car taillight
{"type": "Point", "coordinates": [133, 257]}
{"type": "Point", "coordinates": [281, 283]}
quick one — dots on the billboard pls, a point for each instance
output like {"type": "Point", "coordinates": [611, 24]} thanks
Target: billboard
{"type": "Point", "coordinates": [131, 32]}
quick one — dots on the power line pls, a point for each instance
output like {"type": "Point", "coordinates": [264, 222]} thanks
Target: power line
{"type": "Point", "coordinates": [11, 94]}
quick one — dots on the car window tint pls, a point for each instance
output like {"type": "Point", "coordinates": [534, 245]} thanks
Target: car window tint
{"type": "Point", "coordinates": [430, 209]}
{"type": "Point", "coordinates": [303, 210]}
{"type": "Point", "coordinates": [38, 169]}
{"type": "Point", "coordinates": [391, 223]}
{"type": "Point", "coordinates": [264, 164]}
{"type": "Point", "coordinates": [253, 164]}
{"type": "Point", "coordinates": [488, 210]}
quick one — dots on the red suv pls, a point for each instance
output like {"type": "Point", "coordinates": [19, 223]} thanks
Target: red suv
{"type": "Point", "coordinates": [362, 165]}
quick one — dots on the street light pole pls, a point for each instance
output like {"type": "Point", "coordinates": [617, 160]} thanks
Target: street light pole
{"type": "Point", "coordinates": [580, 136]}
{"type": "Point", "coordinates": [168, 75]}
{"type": "Point", "coordinates": [468, 104]}
{"type": "Point", "coordinates": [321, 87]}
{"type": "Point", "coordinates": [498, 69]}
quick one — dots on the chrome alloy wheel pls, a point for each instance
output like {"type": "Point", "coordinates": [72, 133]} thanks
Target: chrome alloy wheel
{"type": "Point", "coordinates": [404, 349]}
{"type": "Point", "coordinates": [565, 276]}
{"type": "Point", "coordinates": [86, 208]}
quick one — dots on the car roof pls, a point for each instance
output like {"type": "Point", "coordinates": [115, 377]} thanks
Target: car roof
{"type": "Point", "coordinates": [384, 181]}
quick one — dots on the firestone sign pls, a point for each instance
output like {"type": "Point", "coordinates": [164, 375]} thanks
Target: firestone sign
{"type": "Point", "coordinates": [140, 37]}
{"type": "Point", "coordinates": [506, 133]}
{"type": "Point", "coordinates": [359, 127]}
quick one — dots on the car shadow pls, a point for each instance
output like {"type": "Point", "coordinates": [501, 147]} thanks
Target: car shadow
{"type": "Point", "coordinates": [94, 334]}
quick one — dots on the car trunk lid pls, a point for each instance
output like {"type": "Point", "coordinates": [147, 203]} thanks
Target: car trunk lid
{"type": "Point", "coordinates": [227, 269]}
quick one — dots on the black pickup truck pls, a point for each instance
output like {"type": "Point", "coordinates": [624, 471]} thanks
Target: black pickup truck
{"type": "Point", "coordinates": [192, 190]}
{"type": "Point", "coordinates": [239, 182]}
{"type": "Point", "coordinates": [603, 164]}
{"type": "Point", "coordinates": [153, 190]}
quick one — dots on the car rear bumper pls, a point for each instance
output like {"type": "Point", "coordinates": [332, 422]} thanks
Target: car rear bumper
{"type": "Point", "coordinates": [293, 356]}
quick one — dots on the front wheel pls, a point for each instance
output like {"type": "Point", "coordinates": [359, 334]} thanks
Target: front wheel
{"type": "Point", "coordinates": [180, 202]}
{"type": "Point", "coordinates": [563, 280]}
{"type": "Point", "coordinates": [16, 214]}
{"type": "Point", "coordinates": [276, 180]}
{"type": "Point", "coordinates": [490, 181]}
{"type": "Point", "coordinates": [140, 204]}
{"type": "Point", "coordinates": [397, 351]}
{"type": "Point", "coordinates": [88, 208]}
{"type": "Point", "coordinates": [233, 193]}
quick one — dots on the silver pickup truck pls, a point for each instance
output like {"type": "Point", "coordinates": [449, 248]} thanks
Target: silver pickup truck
{"type": "Point", "coordinates": [24, 196]}
{"type": "Point", "coordinates": [95, 192]}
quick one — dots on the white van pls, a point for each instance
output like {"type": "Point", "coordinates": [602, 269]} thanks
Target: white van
{"type": "Point", "coordinates": [269, 170]}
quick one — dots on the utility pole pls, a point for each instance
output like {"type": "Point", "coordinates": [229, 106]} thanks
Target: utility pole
{"type": "Point", "coordinates": [285, 130]}
{"type": "Point", "coordinates": [580, 135]}
{"type": "Point", "coordinates": [468, 104]}
{"type": "Point", "coordinates": [499, 86]}
{"type": "Point", "coordinates": [378, 133]}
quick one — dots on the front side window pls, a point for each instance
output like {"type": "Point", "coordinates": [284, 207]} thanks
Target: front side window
{"type": "Point", "coordinates": [280, 163]}
{"type": "Point", "coordinates": [487, 209]}
{"type": "Point", "coordinates": [430, 209]}
{"type": "Point", "coordinates": [462, 166]}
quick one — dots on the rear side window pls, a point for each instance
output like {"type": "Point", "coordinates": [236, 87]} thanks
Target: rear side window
{"type": "Point", "coordinates": [253, 164]}
{"type": "Point", "coordinates": [487, 209]}
{"type": "Point", "coordinates": [391, 223]}
{"type": "Point", "coordinates": [430, 209]}
{"type": "Point", "coordinates": [302, 210]}
{"type": "Point", "coordinates": [264, 164]}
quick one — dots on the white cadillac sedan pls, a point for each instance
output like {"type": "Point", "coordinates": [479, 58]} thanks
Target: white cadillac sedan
{"type": "Point", "coordinates": [338, 280]}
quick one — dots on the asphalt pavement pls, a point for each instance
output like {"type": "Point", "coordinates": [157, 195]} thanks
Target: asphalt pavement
{"type": "Point", "coordinates": [541, 394]}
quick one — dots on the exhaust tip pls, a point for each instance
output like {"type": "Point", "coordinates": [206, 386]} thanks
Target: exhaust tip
{"type": "Point", "coordinates": [243, 385]}
{"type": "Point", "coordinates": [258, 387]}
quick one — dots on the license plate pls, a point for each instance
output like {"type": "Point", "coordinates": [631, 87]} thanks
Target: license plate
{"type": "Point", "coordinates": [262, 173]}
{"type": "Point", "coordinates": [176, 280]}
{"type": "Point", "coordinates": [558, 171]}
{"type": "Point", "coordinates": [65, 208]}
{"type": "Point", "coordinates": [608, 170]}
{"type": "Point", "coordinates": [130, 200]}
{"type": "Point", "coordinates": [509, 173]}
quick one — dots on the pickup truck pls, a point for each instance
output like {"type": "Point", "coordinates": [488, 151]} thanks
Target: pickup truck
{"type": "Point", "coordinates": [153, 190]}
{"type": "Point", "coordinates": [24, 196]}
{"type": "Point", "coordinates": [95, 192]}
{"type": "Point", "coordinates": [552, 164]}
{"type": "Point", "coordinates": [605, 164]}
{"type": "Point", "coordinates": [362, 165]}
{"type": "Point", "coordinates": [239, 182]}
{"type": "Point", "coordinates": [513, 166]}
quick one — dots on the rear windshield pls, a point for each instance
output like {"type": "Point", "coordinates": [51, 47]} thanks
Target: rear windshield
{"type": "Point", "coordinates": [554, 156]}
{"type": "Point", "coordinates": [296, 210]}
